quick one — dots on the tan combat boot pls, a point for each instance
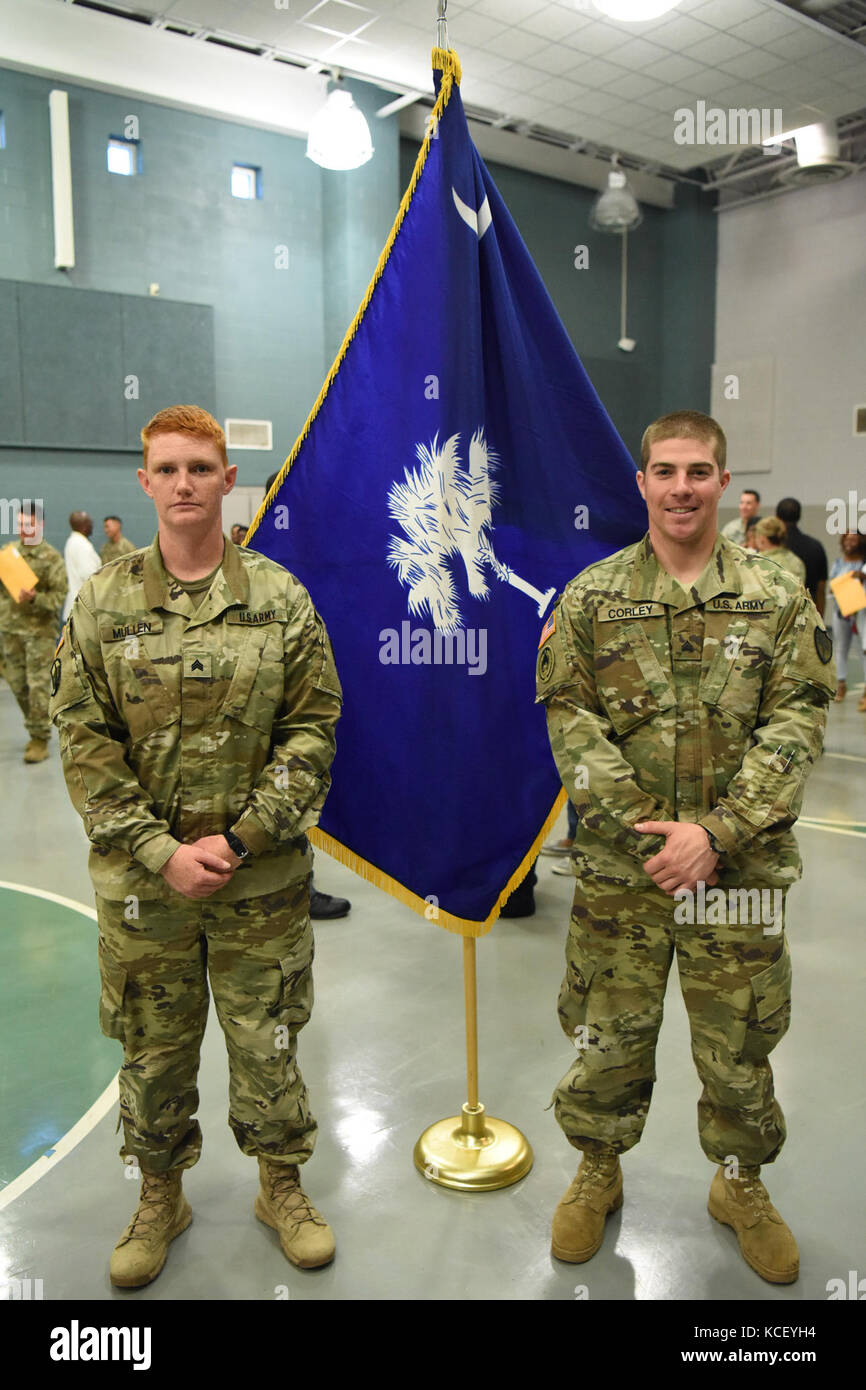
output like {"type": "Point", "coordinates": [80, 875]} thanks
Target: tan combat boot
{"type": "Point", "coordinates": [578, 1222]}
{"type": "Point", "coordinates": [36, 751]}
{"type": "Point", "coordinates": [163, 1212]}
{"type": "Point", "coordinates": [765, 1241]}
{"type": "Point", "coordinates": [282, 1204]}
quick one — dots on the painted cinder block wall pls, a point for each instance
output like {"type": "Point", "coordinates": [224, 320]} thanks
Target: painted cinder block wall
{"type": "Point", "coordinates": [176, 224]}
{"type": "Point", "coordinates": [276, 330]}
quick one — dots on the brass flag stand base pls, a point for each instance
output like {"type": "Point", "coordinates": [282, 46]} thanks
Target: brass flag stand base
{"type": "Point", "coordinates": [473, 1151]}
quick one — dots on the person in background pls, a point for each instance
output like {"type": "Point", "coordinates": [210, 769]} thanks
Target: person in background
{"type": "Point", "coordinates": [563, 847]}
{"type": "Point", "coordinates": [750, 542]}
{"type": "Point", "coordinates": [736, 530]}
{"type": "Point", "coordinates": [28, 631]}
{"type": "Point", "coordinates": [238, 533]}
{"type": "Point", "coordinates": [117, 543]}
{"type": "Point", "coordinates": [80, 557]}
{"type": "Point", "coordinates": [851, 559]}
{"type": "Point", "coordinates": [323, 906]}
{"type": "Point", "coordinates": [810, 550]}
{"type": "Point", "coordinates": [770, 540]}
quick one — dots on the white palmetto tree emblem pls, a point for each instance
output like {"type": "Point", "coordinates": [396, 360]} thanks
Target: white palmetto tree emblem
{"type": "Point", "coordinates": [445, 510]}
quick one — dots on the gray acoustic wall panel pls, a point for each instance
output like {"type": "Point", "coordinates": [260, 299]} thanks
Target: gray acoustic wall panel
{"type": "Point", "coordinates": [11, 405]}
{"type": "Point", "coordinates": [167, 358]}
{"type": "Point", "coordinates": [85, 370]}
{"type": "Point", "coordinates": [71, 367]}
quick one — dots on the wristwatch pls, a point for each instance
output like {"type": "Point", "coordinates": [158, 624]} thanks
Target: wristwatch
{"type": "Point", "coordinates": [714, 844]}
{"type": "Point", "coordinates": [236, 846]}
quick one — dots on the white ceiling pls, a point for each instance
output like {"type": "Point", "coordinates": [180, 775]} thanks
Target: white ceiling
{"type": "Point", "coordinates": [554, 69]}
{"type": "Point", "coordinates": [558, 64]}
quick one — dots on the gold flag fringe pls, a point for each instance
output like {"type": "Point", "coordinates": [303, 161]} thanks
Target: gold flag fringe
{"type": "Point", "coordinates": [433, 913]}
{"type": "Point", "coordinates": [448, 63]}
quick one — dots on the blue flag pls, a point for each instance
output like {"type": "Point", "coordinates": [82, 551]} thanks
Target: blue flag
{"type": "Point", "coordinates": [455, 472]}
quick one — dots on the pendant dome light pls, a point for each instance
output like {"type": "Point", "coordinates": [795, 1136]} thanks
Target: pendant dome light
{"type": "Point", "coordinates": [617, 210]}
{"type": "Point", "coordinates": [339, 137]}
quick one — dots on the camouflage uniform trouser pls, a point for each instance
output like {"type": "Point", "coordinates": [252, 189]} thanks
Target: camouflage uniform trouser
{"type": "Point", "coordinates": [27, 667]}
{"type": "Point", "coordinates": [736, 987]}
{"type": "Point", "coordinates": [154, 967]}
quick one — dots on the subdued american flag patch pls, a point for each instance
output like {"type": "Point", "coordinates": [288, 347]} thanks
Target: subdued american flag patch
{"type": "Point", "coordinates": [548, 630]}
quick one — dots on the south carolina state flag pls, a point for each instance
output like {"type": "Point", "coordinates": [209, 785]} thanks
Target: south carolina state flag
{"type": "Point", "coordinates": [456, 471]}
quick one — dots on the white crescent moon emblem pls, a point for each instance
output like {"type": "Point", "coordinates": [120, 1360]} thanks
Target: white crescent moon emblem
{"type": "Point", "coordinates": [479, 221]}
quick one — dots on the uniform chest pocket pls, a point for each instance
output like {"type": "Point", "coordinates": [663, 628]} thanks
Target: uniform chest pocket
{"type": "Point", "coordinates": [631, 683]}
{"type": "Point", "coordinates": [734, 678]}
{"type": "Point", "coordinates": [256, 690]}
{"type": "Point", "coordinates": [140, 680]}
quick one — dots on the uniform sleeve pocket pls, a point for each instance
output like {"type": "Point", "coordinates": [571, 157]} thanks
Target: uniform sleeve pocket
{"type": "Point", "coordinates": [571, 1007]}
{"type": "Point", "coordinates": [114, 977]}
{"type": "Point", "coordinates": [770, 1014]}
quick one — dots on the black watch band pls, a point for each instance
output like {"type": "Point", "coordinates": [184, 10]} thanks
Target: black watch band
{"type": "Point", "coordinates": [714, 844]}
{"type": "Point", "coordinates": [236, 846]}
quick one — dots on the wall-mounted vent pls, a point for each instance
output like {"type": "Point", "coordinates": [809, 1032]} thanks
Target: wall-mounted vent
{"type": "Point", "coordinates": [860, 419]}
{"type": "Point", "coordinates": [249, 434]}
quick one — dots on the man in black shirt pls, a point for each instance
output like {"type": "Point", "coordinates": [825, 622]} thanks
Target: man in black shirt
{"type": "Point", "coordinates": [810, 551]}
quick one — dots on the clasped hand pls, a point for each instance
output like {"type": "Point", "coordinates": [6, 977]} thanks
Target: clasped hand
{"type": "Point", "coordinates": [199, 869]}
{"type": "Point", "coordinates": [686, 859]}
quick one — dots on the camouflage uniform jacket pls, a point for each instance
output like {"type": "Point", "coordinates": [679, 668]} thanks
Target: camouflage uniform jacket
{"type": "Point", "coordinates": [41, 617]}
{"type": "Point", "coordinates": [706, 705]}
{"type": "Point", "coordinates": [112, 550]}
{"type": "Point", "coordinates": [179, 720]}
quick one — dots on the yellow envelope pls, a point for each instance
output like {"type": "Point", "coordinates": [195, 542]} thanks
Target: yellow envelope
{"type": "Point", "coordinates": [849, 593]}
{"type": "Point", "coordinates": [15, 572]}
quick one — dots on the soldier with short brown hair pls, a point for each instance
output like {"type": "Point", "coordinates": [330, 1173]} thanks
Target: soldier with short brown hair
{"type": "Point", "coordinates": [686, 684]}
{"type": "Point", "coordinates": [196, 698]}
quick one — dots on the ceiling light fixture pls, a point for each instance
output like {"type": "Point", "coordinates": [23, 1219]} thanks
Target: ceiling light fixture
{"type": "Point", "coordinates": [339, 137]}
{"type": "Point", "coordinates": [634, 11]}
{"type": "Point", "coordinates": [616, 209]}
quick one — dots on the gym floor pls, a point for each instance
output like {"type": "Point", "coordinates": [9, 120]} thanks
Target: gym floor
{"type": "Point", "coordinates": [384, 1057]}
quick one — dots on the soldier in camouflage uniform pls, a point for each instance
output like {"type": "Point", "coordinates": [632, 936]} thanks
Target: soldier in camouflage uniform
{"type": "Point", "coordinates": [196, 697]}
{"type": "Point", "coordinates": [117, 544]}
{"type": "Point", "coordinates": [28, 632]}
{"type": "Point", "coordinates": [686, 684]}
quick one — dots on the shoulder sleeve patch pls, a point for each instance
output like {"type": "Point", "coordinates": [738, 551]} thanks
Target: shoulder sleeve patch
{"type": "Point", "coordinates": [823, 645]}
{"type": "Point", "coordinates": [553, 668]}
{"type": "Point", "coordinates": [548, 630]}
{"type": "Point", "coordinates": [546, 664]}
